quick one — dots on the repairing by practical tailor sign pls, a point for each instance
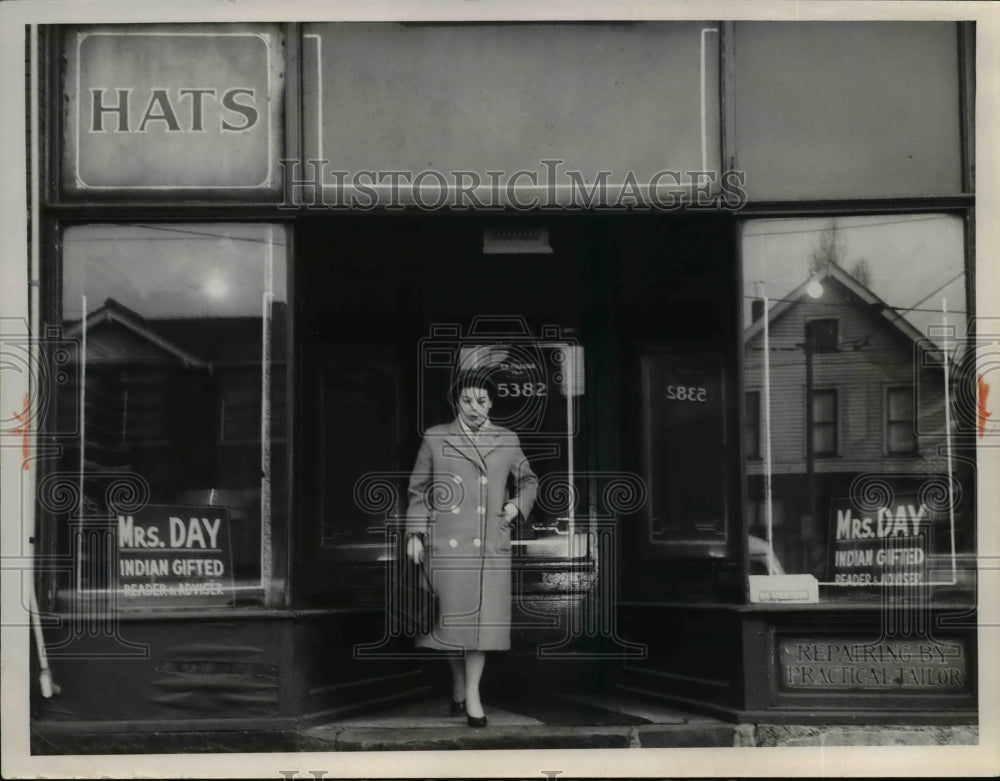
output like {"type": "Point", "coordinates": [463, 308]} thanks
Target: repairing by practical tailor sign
{"type": "Point", "coordinates": [171, 555]}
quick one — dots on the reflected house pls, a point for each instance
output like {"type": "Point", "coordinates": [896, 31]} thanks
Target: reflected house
{"type": "Point", "coordinates": [877, 392]}
{"type": "Point", "coordinates": [176, 402]}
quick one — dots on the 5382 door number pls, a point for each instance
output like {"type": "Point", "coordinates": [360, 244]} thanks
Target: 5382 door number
{"type": "Point", "coordinates": [521, 389]}
{"type": "Point", "coordinates": [686, 393]}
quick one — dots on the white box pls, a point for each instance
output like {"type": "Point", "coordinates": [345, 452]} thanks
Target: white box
{"type": "Point", "coordinates": [784, 589]}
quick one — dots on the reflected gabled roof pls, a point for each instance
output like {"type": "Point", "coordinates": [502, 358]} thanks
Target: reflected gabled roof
{"type": "Point", "coordinates": [114, 312]}
{"type": "Point", "coordinates": [865, 294]}
{"type": "Point", "coordinates": [196, 341]}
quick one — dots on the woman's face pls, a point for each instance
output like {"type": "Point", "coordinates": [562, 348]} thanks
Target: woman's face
{"type": "Point", "coordinates": [474, 406]}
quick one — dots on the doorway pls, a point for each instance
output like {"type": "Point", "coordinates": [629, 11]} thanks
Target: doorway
{"type": "Point", "coordinates": [582, 323]}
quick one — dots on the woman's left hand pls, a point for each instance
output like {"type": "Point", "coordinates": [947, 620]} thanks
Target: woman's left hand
{"type": "Point", "coordinates": [509, 512]}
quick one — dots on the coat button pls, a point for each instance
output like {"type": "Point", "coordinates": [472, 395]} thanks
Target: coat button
{"type": "Point", "coordinates": [453, 543]}
{"type": "Point", "coordinates": [484, 479]}
{"type": "Point", "coordinates": [481, 510]}
{"type": "Point", "coordinates": [477, 542]}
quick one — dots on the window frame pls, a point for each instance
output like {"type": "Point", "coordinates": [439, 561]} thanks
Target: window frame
{"type": "Point", "coordinates": [270, 586]}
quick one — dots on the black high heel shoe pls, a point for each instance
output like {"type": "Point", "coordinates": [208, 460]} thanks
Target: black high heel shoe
{"type": "Point", "coordinates": [457, 708]}
{"type": "Point", "coordinates": [477, 721]}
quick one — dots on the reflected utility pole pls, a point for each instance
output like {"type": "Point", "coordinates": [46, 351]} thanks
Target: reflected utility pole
{"type": "Point", "coordinates": [810, 445]}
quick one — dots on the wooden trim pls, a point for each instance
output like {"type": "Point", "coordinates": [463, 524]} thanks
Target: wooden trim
{"type": "Point", "coordinates": [293, 93]}
{"type": "Point", "coordinates": [229, 211]}
{"type": "Point", "coordinates": [755, 673]}
{"type": "Point", "coordinates": [50, 304]}
{"type": "Point", "coordinates": [262, 211]}
{"type": "Point", "coordinates": [181, 724]}
{"type": "Point", "coordinates": [743, 524]}
{"type": "Point", "coordinates": [227, 614]}
{"type": "Point", "coordinates": [52, 110]}
{"type": "Point", "coordinates": [293, 150]}
{"type": "Point", "coordinates": [292, 408]}
{"type": "Point", "coordinates": [856, 716]}
{"type": "Point", "coordinates": [969, 231]}
{"type": "Point", "coordinates": [727, 89]}
{"type": "Point", "coordinates": [857, 206]}
{"type": "Point", "coordinates": [967, 102]}
{"type": "Point", "coordinates": [872, 609]}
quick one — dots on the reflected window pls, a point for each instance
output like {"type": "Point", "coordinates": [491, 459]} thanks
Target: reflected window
{"type": "Point", "coordinates": [240, 412]}
{"type": "Point", "coordinates": [172, 325]}
{"type": "Point", "coordinates": [143, 405]}
{"type": "Point", "coordinates": [900, 424]}
{"type": "Point", "coordinates": [822, 334]}
{"type": "Point", "coordinates": [751, 430]}
{"type": "Point", "coordinates": [824, 422]}
{"type": "Point", "coordinates": [240, 407]}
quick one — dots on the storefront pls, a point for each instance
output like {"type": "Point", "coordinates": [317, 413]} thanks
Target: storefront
{"type": "Point", "coordinates": [266, 248]}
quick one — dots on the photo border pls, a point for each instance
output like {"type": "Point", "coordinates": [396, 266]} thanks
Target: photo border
{"type": "Point", "coordinates": [909, 761]}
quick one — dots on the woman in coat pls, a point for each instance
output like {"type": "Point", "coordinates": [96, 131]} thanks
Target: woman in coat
{"type": "Point", "coordinates": [460, 514]}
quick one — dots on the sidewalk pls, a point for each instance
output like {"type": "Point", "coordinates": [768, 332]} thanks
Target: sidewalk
{"type": "Point", "coordinates": [516, 721]}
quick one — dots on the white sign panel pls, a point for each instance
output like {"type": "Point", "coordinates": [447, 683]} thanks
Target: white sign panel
{"type": "Point", "coordinates": [168, 108]}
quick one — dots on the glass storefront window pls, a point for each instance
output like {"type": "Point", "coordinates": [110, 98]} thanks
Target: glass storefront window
{"type": "Point", "coordinates": [171, 425]}
{"type": "Point", "coordinates": [855, 350]}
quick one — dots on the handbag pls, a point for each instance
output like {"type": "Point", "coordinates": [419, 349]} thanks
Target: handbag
{"type": "Point", "coordinates": [415, 605]}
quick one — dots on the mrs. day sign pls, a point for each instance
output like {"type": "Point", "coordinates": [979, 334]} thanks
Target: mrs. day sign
{"type": "Point", "coordinates": [887, 545]}
{"type": "Point", "coordinates": [176, 110]}
{"type": "Point", "coordinates": [173, 555]}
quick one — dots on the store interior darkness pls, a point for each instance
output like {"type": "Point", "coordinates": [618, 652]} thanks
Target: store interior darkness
{"type": "Point", "coordinates": [369, 291]}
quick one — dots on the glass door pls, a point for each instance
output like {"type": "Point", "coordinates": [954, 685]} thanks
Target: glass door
{"type": "Point", "coordinates": [390, 311]}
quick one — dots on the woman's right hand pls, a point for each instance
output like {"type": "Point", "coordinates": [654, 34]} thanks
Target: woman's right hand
{"type": "Point", "coordinates": [415, 548]}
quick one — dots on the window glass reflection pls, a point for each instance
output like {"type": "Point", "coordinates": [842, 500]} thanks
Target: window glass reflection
{"type": "Point", "coordinates": [179, 401]}
{"type": "Point", "coordinates": [851, 326]}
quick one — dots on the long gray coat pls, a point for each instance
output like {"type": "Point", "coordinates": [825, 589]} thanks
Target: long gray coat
{"type": "Point", "coordinates": [456, 496]}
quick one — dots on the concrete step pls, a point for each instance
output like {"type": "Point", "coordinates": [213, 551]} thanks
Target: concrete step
{"type": "Point", "coordinates": [520, 737]}
{"type": "Point", "coordinates": [544, 721]}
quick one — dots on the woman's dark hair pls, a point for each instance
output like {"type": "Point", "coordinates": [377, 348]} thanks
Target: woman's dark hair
{"type": "Point", "coordinates": [471, 378]}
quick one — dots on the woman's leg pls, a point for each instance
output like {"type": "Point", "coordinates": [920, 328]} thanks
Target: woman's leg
{"type": "Point", "coordinates": [457, 664]}
{"type": "Point", "coordinates": [474, 662]}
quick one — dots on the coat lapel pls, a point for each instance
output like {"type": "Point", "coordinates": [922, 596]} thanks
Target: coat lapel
{"type": "Point", "coordinates": [457, 440]}
{"type": "Point", "coordinates": [489, 441]}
